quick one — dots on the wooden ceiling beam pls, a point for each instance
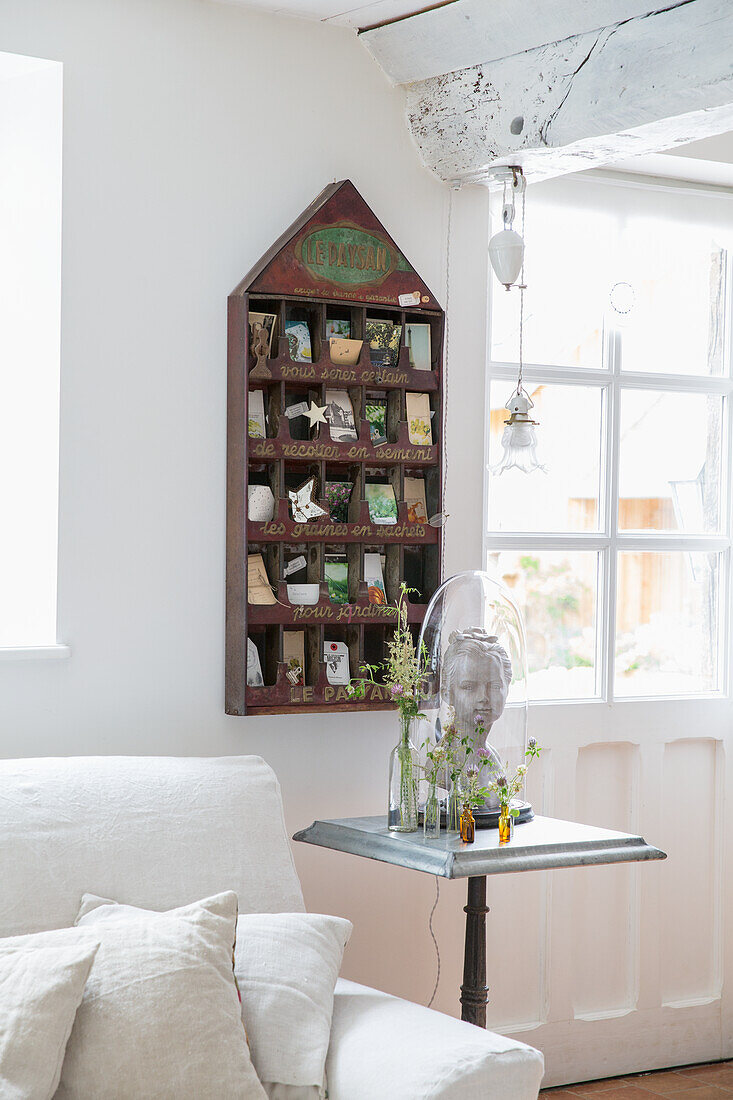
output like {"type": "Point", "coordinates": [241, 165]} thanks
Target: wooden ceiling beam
{"type": "Point", "coordinates": [647, 83]}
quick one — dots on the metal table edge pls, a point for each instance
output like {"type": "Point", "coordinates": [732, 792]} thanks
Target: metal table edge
{"type": "Point", "coordinates": [384, 849]}
{"type": "Point", "coordinates": [468, 863]}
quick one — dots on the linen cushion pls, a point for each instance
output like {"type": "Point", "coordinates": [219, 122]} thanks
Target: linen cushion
{"type": "Point", "coordinates": [42, 980]}
{"type": "Point", "coordinates": [158, 832]}
{"type": "Point", "coordinates": [286, 965]}
{"type": "Point", "coordinates": [160, 1015]}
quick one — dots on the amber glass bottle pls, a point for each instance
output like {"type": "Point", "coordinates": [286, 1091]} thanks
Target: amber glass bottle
{"type": "Point", "coordinates": [506, 824]}
{"type": "Point", "coordinates": [468, 825]}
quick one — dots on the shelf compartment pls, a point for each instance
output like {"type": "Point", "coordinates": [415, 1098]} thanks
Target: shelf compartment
{"type": "Point", "coordinates": [327, 613]}
{"type": "Point", "coordinates": [282, 528]}
{"type": "Point", "coordinates": [325, 449]}
{"type": "Point", "coordinates": [321, 696]}
{"type": "Point", "coordinates": [363, 373]}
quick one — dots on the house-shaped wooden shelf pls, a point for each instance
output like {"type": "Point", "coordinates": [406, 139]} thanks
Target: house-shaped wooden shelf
{"type": "Point", "coordinates": [334, 270]}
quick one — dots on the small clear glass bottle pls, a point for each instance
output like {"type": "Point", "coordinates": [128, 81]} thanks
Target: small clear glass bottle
{"type": "Point", "coordinates": [431, 813]}
{"type": "Point", "coordinates": [403, 781]}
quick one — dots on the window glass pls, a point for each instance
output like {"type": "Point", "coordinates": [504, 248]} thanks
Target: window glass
{"type": "Point", "coordinates": [30, 303]}
{"type": "Point", "coordinates": [670, 461]}
{"type": "Point", "coordinates": [556, 591]}
{"type": "Point", "coordinates": [566, 496]}
{"type": "Point", "coordinates": [567, 288]}
{"type": "Point", "coordinates": [670, 298]}
{"type": "Point", "coordinates": [667, 623]}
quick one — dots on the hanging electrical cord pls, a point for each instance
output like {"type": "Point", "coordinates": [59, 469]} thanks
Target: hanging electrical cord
{"type": "Point", "coordinates": [432, 933]}
{"type": "Point", "coordinates": [446, 353]}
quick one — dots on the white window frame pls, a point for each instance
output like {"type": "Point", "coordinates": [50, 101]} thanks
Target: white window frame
{"type": "Point", "coordinates": [611, 381]}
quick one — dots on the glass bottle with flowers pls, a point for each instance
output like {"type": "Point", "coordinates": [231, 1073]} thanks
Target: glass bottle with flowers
{"type": "Point", "coordinates": [403, 674]}
{"type": "Point", "coordinates": [506, 788]}
{"type": "Point", "coordinates": [436, 759]}
{"type": "Point", "coordinates": [457, 746]}
{"type": "Point", "coordinates": [474, 795]}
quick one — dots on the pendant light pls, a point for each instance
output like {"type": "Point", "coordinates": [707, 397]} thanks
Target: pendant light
{"type": "Point", "coordinates": [506, 248]}
{"type": "Point", "coordinates": [506, 252]}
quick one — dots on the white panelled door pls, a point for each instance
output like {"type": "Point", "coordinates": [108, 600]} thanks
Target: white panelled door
{"type": "Point", "coordinates": [619, 557]}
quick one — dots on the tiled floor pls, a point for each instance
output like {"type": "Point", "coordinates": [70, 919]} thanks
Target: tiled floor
{"type": "Point", "coordinates": [709, 1082]}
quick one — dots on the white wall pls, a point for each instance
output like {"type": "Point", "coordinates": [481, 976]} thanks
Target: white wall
{"type": "Point", "coordinates": [194, 134]}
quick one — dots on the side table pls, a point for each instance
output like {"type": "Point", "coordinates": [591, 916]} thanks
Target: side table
{"type": "Point", "coordinates": [538, 845]}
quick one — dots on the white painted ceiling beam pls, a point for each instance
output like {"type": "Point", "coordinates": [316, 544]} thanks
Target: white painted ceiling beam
{"type": "Point", "coordinates": [471, 32]}
{"type": "Point", "coordinates": [649, 83]}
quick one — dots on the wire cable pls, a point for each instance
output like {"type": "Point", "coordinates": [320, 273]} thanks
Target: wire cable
{"type": "Point", "coordinates": [432, 933]}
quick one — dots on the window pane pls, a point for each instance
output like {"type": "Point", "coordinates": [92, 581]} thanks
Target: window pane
{"type": "Point", "coordinates": [667, 623]}
{"type": "Point", "coordinates": [30, 303]}
{"type": "Point", "coordinates": [566, 497]}
{"type": "Point", "coordinates": [670, 462]}
{"type": "Point", "coordinates": [556, 593]}
{"type": "Point", "coordinates": [674, 290]}
{"type": "Point", "coordinates": [567, 288]}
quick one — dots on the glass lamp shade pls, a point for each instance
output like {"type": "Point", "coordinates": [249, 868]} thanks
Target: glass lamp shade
{"type": "Point", "coordinates": [519, 448]}
{"type": "Point", "coordinates": [475, 649]}
{"type": "Point", "coordinates": [506, 252]}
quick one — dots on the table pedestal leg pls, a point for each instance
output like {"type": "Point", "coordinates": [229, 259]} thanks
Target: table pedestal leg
{"type": "Point", "coordinates": [474, 991]}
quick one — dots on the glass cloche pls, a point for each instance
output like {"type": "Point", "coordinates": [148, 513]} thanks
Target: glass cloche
{"type": "Point", "coordinates": [475, 653]}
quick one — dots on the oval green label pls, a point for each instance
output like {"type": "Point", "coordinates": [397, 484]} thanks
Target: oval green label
{"type": "Point", "coordinates": [345, 254]}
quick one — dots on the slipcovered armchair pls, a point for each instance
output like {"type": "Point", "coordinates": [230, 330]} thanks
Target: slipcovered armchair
{"type": "Point", "coordinates": [163, 832]}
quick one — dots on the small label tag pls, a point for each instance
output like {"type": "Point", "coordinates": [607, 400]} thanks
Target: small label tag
{"type": "Point", "coordinates": [297, 410]}
{"type": "Point", "coordinates": [294, 565]}
{"type": "Point", "coordinates": [412, 299]}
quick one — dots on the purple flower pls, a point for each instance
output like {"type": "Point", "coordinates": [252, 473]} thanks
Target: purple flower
{"type": "Point", "coordinates": [532, 743]}
{"type": "Point", "coordinates": [479, 719]}
{"type": "Point", "coordinates": [484, 754]}
{"type": "Point", "coordinates": [501, 780]}
{"type": "Point", "coordinates": [397, 689]}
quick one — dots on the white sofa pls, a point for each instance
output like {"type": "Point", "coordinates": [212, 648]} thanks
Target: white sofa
{"type": "Point", "coordinates": [162, 832]}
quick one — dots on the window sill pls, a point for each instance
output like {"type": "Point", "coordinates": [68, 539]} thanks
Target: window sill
{"type": "Point", "coordinates": [35, 653]}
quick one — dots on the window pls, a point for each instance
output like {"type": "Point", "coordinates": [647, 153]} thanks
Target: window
{"type": "Point", "coordinates": [30, 297]}
{"type": "Point", "coordinates": [619, 554]}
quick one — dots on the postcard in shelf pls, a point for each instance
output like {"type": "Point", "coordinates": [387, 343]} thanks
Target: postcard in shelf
{"type": "Point", "coordinates": [376, 414]}
{"type": "Point", "coordinates": [304, 593]}
{"type": "Point", "coordinates": [295, 569]}
{"type": "Point", "coordinates": [336, 659]}
{"type": "Point", "coordinates": [384, 342]}
{"type": "Point", "coordinates": [299, 339]}
{"type": "Point", "coordinates": [294, 655]}
{"type": "Point", "coordinates": [417, 340]}
{"type": "Point", "coordinates": [338, 495]}
{"type": "Point", "coordinates": [382, 502]}
{"type": "Point", "coordinates": [374, 578]}
{"type": "Point", "coordinates": [262, 328]}
{"type": "Point", "coordinates": [254, 668]}
{"type": "Point", "coordinates": [259, 590]}
{"type": "Point", "coordinates": [417, 509]}
{"type": "Point", "coordinates": [340, 416]}
{"type": "Point", "coordinates": [419, 428]}
{"type": "Point", "coordinates": [336, 572]}
{"type": "Point", "coordinates": [344, 351]}
{"type": "Point", "coordinates": [260, 503]}
{"type": "Point", "coordinates": [256, 425]}
{"type": "Point", "coordinates": [338, 328]}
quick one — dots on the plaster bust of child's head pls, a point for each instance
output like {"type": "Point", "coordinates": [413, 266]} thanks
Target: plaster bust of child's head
{"type": "Point", "coordinates": [475, 677]}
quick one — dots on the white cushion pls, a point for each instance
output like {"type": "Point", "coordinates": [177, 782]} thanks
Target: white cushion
{"type": "Point", "coordinates": [160, 1015]}
{"type": "Point", "coordinates": [154, 832]}
{"type": "Point", "coordinates": [42, 979]}
{"type": "Point", "coordinates": [286, 965]}
{"type": "Point", "coordinates": [382, 1047]}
